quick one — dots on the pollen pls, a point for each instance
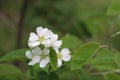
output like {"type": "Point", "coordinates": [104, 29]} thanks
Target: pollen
{"type": "Point", "coordinates": [59, 55]}
{"type": "Point", "coordinates": [43, 56]}
{"type": "Point", "coordinates": [41, 39]}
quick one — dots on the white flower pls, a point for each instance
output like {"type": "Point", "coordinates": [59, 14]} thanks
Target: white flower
{"type": "Point", "coordinates": [63, 55]}
{"type": "Point", "coordinates": [38, 56]}
{"type": "Point", "coordinates": [42, 35]}
{"type": "Point", "coordinates": [53, 41]}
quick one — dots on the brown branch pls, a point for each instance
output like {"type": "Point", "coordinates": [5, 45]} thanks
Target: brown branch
{"type": "Point", "coordinates": [20, 24]}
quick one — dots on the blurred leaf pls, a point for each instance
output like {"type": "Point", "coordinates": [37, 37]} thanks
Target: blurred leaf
{"type": "Point", "coordinates": [115, 41]}
{"type": "Point", "coordinates": [85, 75]}
{"type": "Point", "coordinates": [98, 30]}
{"type": "Point", "coordinates": [53, 76]}
{"type": "Point", "coordinates": [70, 41]}
{"type": "Point", "coordinates": [14, 55]}
{"type": "Point", "coordinates": [42, 75]}
{"type": "Point", "coordinates": [8, 71]}
{"type": "Point", "coordinates": [53, 59]}
{"type": "Point", "coordinates": [114, 8]}
{"type": "Point", "coordinates": [88, 9]}
{"type": "Point", "coordinates": [65, 73]}
{"type": "Point", "coordinates": [112, 76]}
{"type": "Point", "coordinates": [82, 55]}
{"type": "Point", "coordinates": [117, 59]}
{"type": "Point", "coordinates": [104, 60]}
{"type": "Point", "coordinates": [32, 72]}
{"type": "Point", "coordinates": [93, 30]}
{"type": "Point", "coordinates": [117, 33]}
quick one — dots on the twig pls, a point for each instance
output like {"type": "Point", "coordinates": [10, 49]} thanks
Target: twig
{"type": "Point", "coordinates": [20, 24]}
{"type": "Point", "coordinates": [107, 72]}
{"type": "Point", "coordinates": [103, 46]}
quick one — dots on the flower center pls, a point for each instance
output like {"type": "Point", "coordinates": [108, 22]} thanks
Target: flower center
{"type": "Point", "coordinates": [43, 56]}
{"type": "Point", "coordinates": [41, 39]}
{"type": "Point", "coordinates": [59, 55]}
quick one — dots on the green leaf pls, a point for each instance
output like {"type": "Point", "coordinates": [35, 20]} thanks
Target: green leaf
{"type": "Point", "coordinates": [104, 60]}
{"type": "Point", "coordinates": [42, 75]}
{"type": "Point", "coordinates": [117, 59]}
{"type": "Point", "coordinates": [85, 75]}
{"type": "Point", "coordinates": [32, 72]}
{"type": "Point", "coordinates": [83, 54]}
{"type": "Point", "coordinates": [112, 76]}
{"type": "Point", "coordinates": [117, 33]}
{"type": "Point", "coordinates": [65, 73]}
{"type": "Point", "coordinates": [53, 76]}
{"type": "Point", "coordinates": [53, 59]}
{"type": "Point", "coordinates": [114, 8]}
{"type": "Point", "coordinates": [8, 71]}
{"type": "Point", "coordinates": [70, 41]}
{"type": "Point", "coordinates": [14, 55]}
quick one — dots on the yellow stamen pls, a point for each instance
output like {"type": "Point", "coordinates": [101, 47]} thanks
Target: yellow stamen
{"type": "Point", "coordinates": [59, 55]}
{"type": "Point", "coordinates": [43, 56]}
{"type": "Point", "coordinates": [41, 39]}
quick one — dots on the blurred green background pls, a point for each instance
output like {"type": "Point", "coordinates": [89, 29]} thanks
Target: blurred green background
{"type": "Point", "coordinates": [87, 20]}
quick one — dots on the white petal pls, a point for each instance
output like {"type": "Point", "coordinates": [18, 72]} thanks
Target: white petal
{"type": "Point", "coordinates": [54, 37]}
{"type": "Point", "coordinates": [40, 31]}
{"type": "Point", "coordinates": [56, 50]}
{"type": "Point", "coordinates": [57, 43]}
{"type": "Point", "coordinates": [47, 59]}
{"type": "Point", "coordinates": [36, 59]}
{"type": "Point", "coordinates": [33, 37]}
{"type": "Point", "coordinates": [66, 57]}
{"type": "Point", "coordinates": [59, 62]}
{"type": "Point", "coordinates": [44, 62]}
{"type": "Point", "coordinates": [65, 51]}
{"type": "Point", "coordinates": [37, 51]}
{"type": "Point", "coordinates": [29, 54]}
{"type": "Point", "coordinates": [46, 51]}
{"type": "Point", "coordinates": [48, 34]}
{"type": "Point", "coordinates": [33, 44]}
{"type": "Point", "coordinates": [47, 43]}
{"type": "Point", "coordinates": [65, 54]}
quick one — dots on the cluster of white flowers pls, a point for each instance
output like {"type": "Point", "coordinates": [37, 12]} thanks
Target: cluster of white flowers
{"type": "Point", "coordinates": [48, 39]}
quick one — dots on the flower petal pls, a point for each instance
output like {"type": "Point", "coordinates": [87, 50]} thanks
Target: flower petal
{"type": "Point", "coordinates": [47, 43]}
{"type": "Point", "coordinates": [48, 34]}
{"type": "Point", "coordinates": [59, 62]}
{"type": "Point", "coordinates": [56, 50]}
{"type": "Point", "coordinates": [66, 57]}
{"type": "Point", "coordinates": [54, 37]}
{"type": "Point", "coordinates": [33, 44]}
{"type": "Point", "coordinates": [29, 54]}
{"type": "Point", "coordinates": [57, 43]}
{"type": "Point", "coordinates": [44, 62]}
{"type": "Point", "coordinates": [40, 31]}
{"type": "Point", "coordinates": [36, 59]}
{"type": "Point", "coordinates": [65, 51]}
{"type": "Point", "coordinates": [37, 51]}
{"type": "Point", "coordinates": [65, 54]}
{"type": "Point", "coordinates": [46, 51]}
{"type": "Point", "coordinates": [33, 37]}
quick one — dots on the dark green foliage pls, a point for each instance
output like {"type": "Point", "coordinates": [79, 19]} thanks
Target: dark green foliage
{"type": "Point", "coordinates": [14, 55]}
{"type": "Point", "coordinates": [83, 54]}
{"type": "Point", "coordinates": [53, 61]}
{"type": "Point", "coordinates": [82, 20]}
{"type": "Point", "coordinates": [10, 72]}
